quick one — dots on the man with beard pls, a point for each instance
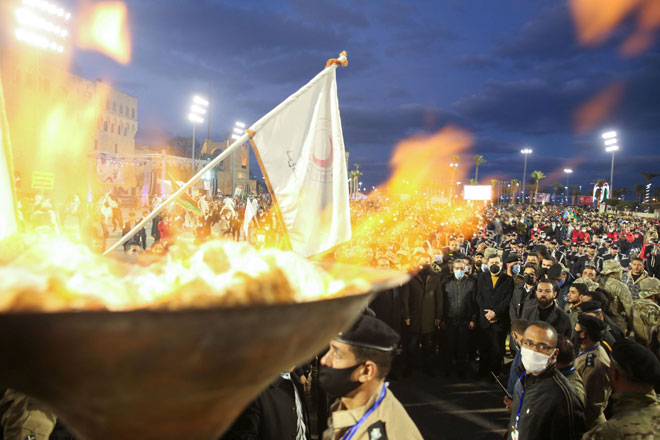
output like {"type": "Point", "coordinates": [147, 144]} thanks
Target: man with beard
{"type": "Point", "coordinates": [545, 405]}
{"type": "Point", "coordinates": [478, 262]}
{"type": "Point", "coordinates": [494, 290]}
{"type": "Point", "coordinates": [575, 294]}
{"type": "Point", "coordinates": [593, 363]}
{"type": "Point", "coordinates": [421, 310]}
{"type": "Point", "coordinates": [523, 292]}
{"type": "Point", "coordinates": [354, 371]}
{"type": "Point", "coordinates": [634, 276]}
{"type": "Point", "coordinates": [543, 308]}
{"type": "Point", "coordinates": [634, 371]}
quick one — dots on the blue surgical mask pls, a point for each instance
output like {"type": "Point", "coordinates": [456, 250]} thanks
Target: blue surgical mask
{"type": "Point", "coordinates": [515, 269]}
{"type": "Point", "coordinates": [561, 283]}
{"type": "Point", "coordinates": [484, 267]}
{"type": "Point", "coordinates": [459, 274]}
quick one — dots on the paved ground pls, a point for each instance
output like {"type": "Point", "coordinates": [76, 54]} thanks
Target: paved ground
{"type": "Point", "coordinates": [451, 408]}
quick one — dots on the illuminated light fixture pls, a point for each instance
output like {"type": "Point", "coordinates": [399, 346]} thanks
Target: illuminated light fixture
{"type": "Point", "coordinates": [612, 148]}
{"type": "Point", "coordinates": [200, 101]}
{"type": "Point", "coordinates": [568, 170]}
{"type": "Point", "coordinates": [197, 109]}
{"type": "Point", "coordinates": [195, 118]}
{"type": "Point", "coordinates": [238, 131]}
{"type": "Point", "coordinates": [611, 141]}
{"type": "Point", "coordinates": [42, 25]}
{"type": "Point", "coordinates": [240, 124]}
{"type": "Point", "coordinates": [609, 134]}
{"type": "Point", "coordinates": [235, 137]}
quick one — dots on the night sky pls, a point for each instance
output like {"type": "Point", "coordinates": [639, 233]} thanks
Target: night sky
{"type": "Point", "coordinates": [509, 71]}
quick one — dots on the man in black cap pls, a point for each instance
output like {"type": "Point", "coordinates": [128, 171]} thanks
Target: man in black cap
{"type": "Point", "coordinates": [593, 307]}
{"type": "Point", "coordinates": [614, 254]}
{"type": "Point", "coordinates": [634, 372]}
{"type": "Point", "coordinates": [544, 308]}
{"type": "Point", "coordinates": [354, 371]}
{"type": "Point", "coordinates": [593, 363]}
{"type": "Point", "coordinates": [591, 258]}
{"type": "Point", "coordinates": [512, 262]}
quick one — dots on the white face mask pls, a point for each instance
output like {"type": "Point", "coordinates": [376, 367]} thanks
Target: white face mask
{"type": "Point", "coordinates": [533, 361]}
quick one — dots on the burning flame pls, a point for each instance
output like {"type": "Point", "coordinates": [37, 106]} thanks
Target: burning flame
{"type": "Point", "coordinates": [595, 20]}
{"type": "Point", "coordinates": [593, 112]}
{"type": "Point", "coordinates": [104, 28]}
{"type": "Point", "coordinates": [402, 216]}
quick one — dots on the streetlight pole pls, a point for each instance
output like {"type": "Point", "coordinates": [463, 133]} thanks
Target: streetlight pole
{"type": "Point", "coordinates": [197, 111]}
{"type": "Point", "coordinates": [525, 152]}
{"type": "Point", "coordinates": [611, 146]}
{"type": "Point", "coordinates": [568, 172]}
{"type": "Point", "coordinates": [239, 129]}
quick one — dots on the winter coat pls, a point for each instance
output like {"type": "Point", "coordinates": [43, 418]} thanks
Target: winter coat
{"type": "Point", "coordinates": [421, 301]}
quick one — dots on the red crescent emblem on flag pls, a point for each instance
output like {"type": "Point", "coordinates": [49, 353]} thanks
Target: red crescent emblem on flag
{"type": "Point", "coordinates": [327, 162]}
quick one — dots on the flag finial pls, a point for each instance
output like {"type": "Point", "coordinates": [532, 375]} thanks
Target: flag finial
{"type": "Point", "coordinates": [343, 60]}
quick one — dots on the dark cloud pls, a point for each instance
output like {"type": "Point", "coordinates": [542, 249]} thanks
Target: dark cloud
{"type": "Point", "coordinates": [476, 61]}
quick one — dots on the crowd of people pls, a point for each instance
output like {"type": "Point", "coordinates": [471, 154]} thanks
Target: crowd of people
{"type": "Point", "coordinates": [560, 306]}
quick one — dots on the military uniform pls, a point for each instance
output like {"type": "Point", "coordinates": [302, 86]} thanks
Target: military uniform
{"type": "Point", "coordinates": [636, 416]}
{"type": "Point", "coordinates": [389, 421]}
{"type": "Point", "coordinates": [24, 418]}
{"type": "Point", "coordinates": [645, 314]}
{"type": "Point", "coordinates": [575, 379]}
{"type": "Point", "coordinates": [593, 366]}
{"type": "Point", "coordinates": [621, 299]}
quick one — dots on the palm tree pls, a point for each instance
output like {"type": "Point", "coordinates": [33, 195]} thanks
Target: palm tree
{"type": "Point", "coordinates": [639, 191]}
{"type": "Point", "coordinates": [478, 160]}
{"type": "Point", "coordinates": [649, 177]}
{"type": "Point", "coordinates": [514, 189]}
{"type": "Point", "coordinates": [536, 177]}
{"type": "Point", "coordinates": [619, 192]}
{"type": "Point", "coordinates": [355, 178]}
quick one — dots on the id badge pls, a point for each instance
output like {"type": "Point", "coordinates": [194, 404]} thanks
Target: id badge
{"type": "Point", "coordinates": [514, 434]}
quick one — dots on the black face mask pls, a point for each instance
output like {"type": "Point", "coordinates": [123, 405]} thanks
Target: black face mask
{"type": "Point", "coordinates": [530, 279]}
{"type": "Point", "coordinates": [494, 269]}
{"type": "Point", "coordinates": [337, 381]}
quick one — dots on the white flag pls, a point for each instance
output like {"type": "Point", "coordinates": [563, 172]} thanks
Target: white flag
{"type": "Point", "coordinates": [301, 152]}
{"type": "Point", "coordinates": [250, 212]}
{"type": "Point", "coordinates": [7, 205]}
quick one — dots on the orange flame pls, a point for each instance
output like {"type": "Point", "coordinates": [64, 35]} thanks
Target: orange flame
{"type": "Point", "coordinates": [403, 216]}
{"type": "Point", "coordinates": [104, 28]}
{"type": "Point", "coordinates": [596, 19]}
{"type": "Point", "coordinates": [591, 113]}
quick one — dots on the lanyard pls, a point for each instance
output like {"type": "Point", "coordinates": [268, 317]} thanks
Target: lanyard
{"type": "Point", "coordinates": [522, 397]}
{"type": "Point", "coordinates": [588, 351]}
{"type": "Point", "coordinates": [351, 432]}
{"type": "Point", "coordinates": [565, 371]}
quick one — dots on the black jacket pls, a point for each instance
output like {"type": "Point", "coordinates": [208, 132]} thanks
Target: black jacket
{"type": "Point", "coordinates": [495, 298]}
{"type": "Point", "coordinates": [550, 408]}
{"type": "Point", "coordinates": [557, 318]}
{"type": "Point", "coordinates": [421, 301]}
{"type": "Point", "coordinates": [387, 306]}
{"type": "Point", "coordinates": [459, 301]}
{"type": "Point", "coordinates": [272, 415]}
{"type": "Point", "coordinates": [518, 300]}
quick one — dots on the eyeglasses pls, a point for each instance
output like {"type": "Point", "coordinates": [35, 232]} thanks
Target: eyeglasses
{"type": "Point", "coordinates": [540, 346]}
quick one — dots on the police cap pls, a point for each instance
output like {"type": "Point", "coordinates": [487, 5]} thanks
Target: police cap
{"type": "Point", "coordinates": [588, 322]}
{"type": "Point", "coordinates": [637, 361]}
{"type": "Point", "coordinates": [370, 332]}
{"type": "Point", "coordinates": [591, 307]}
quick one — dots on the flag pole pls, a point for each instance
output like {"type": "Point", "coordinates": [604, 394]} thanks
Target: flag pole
{"type": "Point", "coordinates": [330, 66]}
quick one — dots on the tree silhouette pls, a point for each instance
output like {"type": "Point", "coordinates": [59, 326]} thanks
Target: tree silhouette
{"type": "Point", "coordinates": [478, 160]}
{"type": "Point", "coordinates": [536, 176]}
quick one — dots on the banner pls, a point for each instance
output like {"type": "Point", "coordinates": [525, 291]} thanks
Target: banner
{"type": "Point", "coordinates": [585, 200]}
{"type": "Point", "coordinates": [543, 198]}
{"type": "Point", "coordinates": [301, 153]}
{"type": "Point", "coordinates": [8, 223]}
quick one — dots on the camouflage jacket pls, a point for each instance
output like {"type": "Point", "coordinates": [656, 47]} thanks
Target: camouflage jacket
{"type": "Point", "coordinates": [620, 302]}
{"type": "Point", "coordinates": [645, 315]}
{"type": "Point", "coordinates": [636, 416]}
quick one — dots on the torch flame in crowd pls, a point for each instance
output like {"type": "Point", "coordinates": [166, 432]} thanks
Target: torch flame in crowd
{"type": "Point", "coordinates": [401, 217]}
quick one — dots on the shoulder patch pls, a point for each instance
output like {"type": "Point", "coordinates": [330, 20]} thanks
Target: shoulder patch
{"type": "Point", "coordinates": [590, 361]}
{"type": "Point", "coordinates": [377, 431]}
